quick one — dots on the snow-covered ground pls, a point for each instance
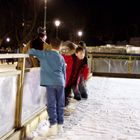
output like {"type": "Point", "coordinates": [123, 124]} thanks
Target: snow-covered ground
{"type": "Point", "coordinates": [112, 112]}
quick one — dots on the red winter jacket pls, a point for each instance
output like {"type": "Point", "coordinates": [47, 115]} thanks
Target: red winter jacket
{"type": "Point", "coordinates": [75, 68]}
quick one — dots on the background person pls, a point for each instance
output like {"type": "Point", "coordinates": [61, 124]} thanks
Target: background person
{"type": "Point", "coordinates": [37, 43]}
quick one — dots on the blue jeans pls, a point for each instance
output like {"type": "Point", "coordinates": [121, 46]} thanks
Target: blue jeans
{"type": "Point", "coordinates": [55, 104]}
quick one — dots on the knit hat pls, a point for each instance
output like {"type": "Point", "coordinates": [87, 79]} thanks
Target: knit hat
{"type": "Point", "coordinates": [41, 30]}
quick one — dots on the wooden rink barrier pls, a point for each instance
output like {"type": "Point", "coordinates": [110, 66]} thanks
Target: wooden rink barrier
{"type": "Point", "coordinates": [114, 64]}
{"type": "Point", "coordinates": [21, 110]}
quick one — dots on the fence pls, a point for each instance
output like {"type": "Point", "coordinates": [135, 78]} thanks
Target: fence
{"type": "Point", "coordinates": [21, 97]}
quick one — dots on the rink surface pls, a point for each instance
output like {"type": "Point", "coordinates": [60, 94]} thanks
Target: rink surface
{"type": "Point", "coordinates": [112, 112]}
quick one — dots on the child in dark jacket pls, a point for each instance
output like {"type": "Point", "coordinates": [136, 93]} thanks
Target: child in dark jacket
{"type": "Point", "coordinates": [76, 67]}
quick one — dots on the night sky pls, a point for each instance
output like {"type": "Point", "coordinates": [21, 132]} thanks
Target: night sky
{"type": "Point", "coordinates": [102, 21]}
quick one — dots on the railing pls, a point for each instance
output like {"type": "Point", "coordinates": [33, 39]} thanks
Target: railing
{"type": "Point", "coordinates": [115, 64]}
{"type": "Point", "coordinates": [21, 96]}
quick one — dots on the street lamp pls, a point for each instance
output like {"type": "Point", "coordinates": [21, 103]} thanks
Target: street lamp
{"type": "Point", "coordinates": [80, 33]}
{"type": "Point", "coordinates": [7, 39]}
{"type": "Point", "coordinates": [45, 10]}
{"type": "Point", "coordinates": [57, 24]}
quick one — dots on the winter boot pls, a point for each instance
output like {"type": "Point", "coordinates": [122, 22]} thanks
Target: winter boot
{"type": "Point", "coordinates": [77, 96]}
{"type": "Point", "coordinates": [84, 95]}
{"type": "Point", "coordinates": [52, 130]}
{"type": "Point", "coordinates": [67, 112]}
{"type": "Point", "coordinates": [60, 129]}
{"type": "Point", "coordinates": [71, 100]}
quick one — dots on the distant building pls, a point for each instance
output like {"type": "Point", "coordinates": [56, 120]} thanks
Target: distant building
{"type": "Point", "coordinates": [135, 41]}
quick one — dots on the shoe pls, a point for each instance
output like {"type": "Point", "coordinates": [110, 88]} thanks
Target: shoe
{"type": "Point", "coordinates": [84, 95]}
{"type": "Point", "coordinates": [60, 129]}
{"type": "Point", "coordinates": [67, 111]}
{"type": "Point", "coordinates": [52, 130]}
{"type": "Point", "coordinates": [71, 100]}
{"type": "Point", "coordinates": [77, 96]}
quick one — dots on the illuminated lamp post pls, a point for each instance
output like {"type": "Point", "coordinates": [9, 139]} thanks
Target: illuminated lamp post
{"type": "Point", "coordinates": [57, 24]}
{"type": "Point", "coordinates": [45, 13]}
{"type": "Point", "coordinates": [80, 33]}
{"type": "Point", "coordinates": [8, 39]}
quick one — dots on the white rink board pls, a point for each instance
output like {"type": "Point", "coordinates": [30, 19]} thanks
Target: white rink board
{"type": "Point", "coordinates": [8, 90]}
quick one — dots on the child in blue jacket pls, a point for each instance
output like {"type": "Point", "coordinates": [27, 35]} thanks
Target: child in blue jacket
{"type": "Point", "coordinates": [53, 75]}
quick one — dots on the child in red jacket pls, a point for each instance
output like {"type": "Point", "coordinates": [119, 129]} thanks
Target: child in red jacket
{"type": "Point", "coordinates": [76, 74]}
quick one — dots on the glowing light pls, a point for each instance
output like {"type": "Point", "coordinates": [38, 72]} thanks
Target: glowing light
{"type": "Point", "coordinates": [7, 39]}
{"type": "Point", "coordinates": [57, 23]}
{"type": "Point", "coordinates": [80, 33]}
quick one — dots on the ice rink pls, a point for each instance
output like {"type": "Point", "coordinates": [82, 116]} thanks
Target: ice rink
{"type": "Point", "coordinates": [112, 112]}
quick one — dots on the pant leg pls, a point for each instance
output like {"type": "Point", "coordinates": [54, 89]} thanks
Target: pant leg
{"type": "Point", "coordinates": [51, 104]}
{"type": "Point", "coordinates": [60, 104]}
{"type": "Point", "coordinates": [76, 92]}
{"type": "Point", "coordinates": [82, 88]}
{"type": "Point", "coordinates": [67, 93]}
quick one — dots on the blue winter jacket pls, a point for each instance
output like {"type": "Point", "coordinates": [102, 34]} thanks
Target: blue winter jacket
{"type": "Point", "coordinates": [53, 69]}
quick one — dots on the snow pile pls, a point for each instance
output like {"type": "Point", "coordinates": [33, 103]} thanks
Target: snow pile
{"type": "Point", "coordinates": [40, 132]}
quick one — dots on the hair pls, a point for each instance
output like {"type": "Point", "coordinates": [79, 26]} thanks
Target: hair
{"type": "Point", "coordinates": [82, 44]}
{"type": "Point", "coordinates": [55, 43]}
{"type": "Point", "coordinates": [79, 49]}
{"type": "Point", "coordinates": [71, 45]}
{"type": "Point", "coordinates": [37, 43]}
